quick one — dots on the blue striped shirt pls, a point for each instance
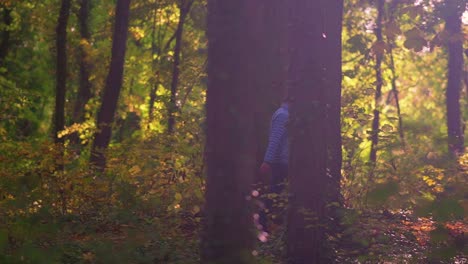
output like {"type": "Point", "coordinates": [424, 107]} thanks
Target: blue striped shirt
{"type": "Point", "coordinates": [278, 146]}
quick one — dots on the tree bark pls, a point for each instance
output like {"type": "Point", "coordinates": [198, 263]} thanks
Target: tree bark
{"type": "Point", "coordinates": [379, 82]}
{"type": "Point", "coordinates": [152, 100]}
{"type": "Point", "coordinates": [334, 18]}
{"type": "Point", "coordinates": [395, 93]}
{"type": "Point", "coordinates": [269, 49]}
{"type": "Point", "coordinates": [227, 235]}
{"type": "Point", "coordinates": [157, 49]}
{"type": "Point", "coordinates": [184, 10]}
{"type": "Point", "coordinates": [454, 9]}
{"type": "Point", "coordinates": [113, 86]}
{"type": "Point", "coordinates": [5, 42]}
{"type": "Point", "coordinates": [61, 70]}
{"type": "Point", "coordinates": [314, 78]}
{"type": "Point", "coordinates": [391, 45]}
{"type": "Point", "coordinates": [465, 77]}
{"type": "Point", "coordinates": [84, 89]}
{"type": "Point", "coordinates": [155, 83]}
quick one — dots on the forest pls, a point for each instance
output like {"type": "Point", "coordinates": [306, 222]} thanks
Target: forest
{"type": "Point", "coordinates": [139, 131]}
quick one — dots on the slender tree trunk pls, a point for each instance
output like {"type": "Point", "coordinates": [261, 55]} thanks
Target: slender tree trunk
{"type": "Point", "coordinates": [379, 83]}
{"type": "Point", "coordinates": [5, 42]}
{"type": "Point", "coordinates": [157, 49]}
{"type": "Point", "coordinates": [391, 45]}
{"type": "Point", "coordinates": [227, 235]}
{"type": "Point", "coordinates": [395, 93]}
{"type": "Point", "coordinates": [452, 18]}
{"type": "Point", "coordinates": [184, 10]}
{"type": "Point", "coordinates": [113, 86]}
{"type": "Point", "coordinates": [155, 82]}
{"type": "Point", "coordinates": [152, 100]}
{"type": "Point", "coordinates": [84, 90]}
{"type": "Point", "coordinates": [61, 70]}
{"type": "Point", "coordinates": [192, 85]}
{"type": "Point", "coordinates": [315, 67]}
{"type": "Point", "coordinates": [61, 86]}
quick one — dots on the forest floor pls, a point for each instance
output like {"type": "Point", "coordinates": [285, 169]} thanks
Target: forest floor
{"type": "Point", "coordinates": [388, 238]}
{"type": "Point", "coordinates": [377, 237]}
{"type": "Point", "coordinates": [142, 234]}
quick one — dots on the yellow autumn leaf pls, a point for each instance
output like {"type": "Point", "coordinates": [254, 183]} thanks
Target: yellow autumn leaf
{"type": "Point", "coordinates": [135, 169]}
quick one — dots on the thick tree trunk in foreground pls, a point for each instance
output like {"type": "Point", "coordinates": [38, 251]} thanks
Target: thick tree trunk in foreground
{"type": "Point", "coordinates": [379, 82]}
{"type": "Point", "coordinates": [61, 70]}
{"type": "Point", "coordinates": [184, 10]}
{"type": "Point", "coordinates": [332, 81]}
{"type": "Point", "coordinates": [84, 90]}
{"type": "Point", "coordinates": [452, 18]}
{"type": "Point", "coordinates": [269, 54]}
{"type": "Point", "coordinates": [113, 86]}
{"type": "Point", "coordinates": [230, 151]}
{"type": "Point", "coordinates": [315, 77]}
{"type": "Point", "coordinates": [465, 77]}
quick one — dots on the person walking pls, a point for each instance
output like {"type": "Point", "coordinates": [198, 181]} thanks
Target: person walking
{"type": "Point", "coordinates": [275, 162]}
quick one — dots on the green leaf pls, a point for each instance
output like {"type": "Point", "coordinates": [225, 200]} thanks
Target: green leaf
{"type": "Point", "coordinates": [348, 216]}
{"type": "Point", "coordinates": [423, 207]}
{"type": "Point", "coordinates": [413, 11]}
{"type": "Point", "coordinates": [447, 209]}
{"type": "Point", "coordinates": [387, 128]}
{"type": "Point", "coordinates": [443, 253]}
{"type": "Point", "coordinates": [391, 30]}
{"type": "Point", "coordinates": [379, 47]}
{"type": "Point", "coordinates": [369, 91]}
{"type": "Point", "coordinates": [415, 40]}
{"type": "Point", "coordinates": [357, 43]}
{"type": "Point", "coordinates": [3, 239]}
{"type": "Point", "coordinates": [380, 194]}
{"type": "Point", "coordinates": [350, 73]}
{"type": "Point", "coordinates": [438, 235]}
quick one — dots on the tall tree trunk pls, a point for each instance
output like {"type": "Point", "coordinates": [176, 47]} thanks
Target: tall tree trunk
{"type": "Point", "coordinates": [61, 70]}
{"type": "Point", "coordinates": [184, 9]}
{"type": "Point", "coordinates": [84, 90]}
{"type": "Point", "coordinates": [5, 42]}
{"type": "Point", "coordinates": [113, 86]}
{"type": "Point", "coordinates": [465, 77]}
{"type": "Point", "coordinates": [379, 82]}
{"type": "Point", "coordinates": [227, 235]}
{"type": "Point", "coordinates": [269, 51]}
{"type": "Point", "coordinates": [454, 10]}
{"type": "Point", "coordinates": [315, 67]}
{"type": "Point", "coordinates": [333, 19]}
{"type": "Point", "coordinates": [258, 37]}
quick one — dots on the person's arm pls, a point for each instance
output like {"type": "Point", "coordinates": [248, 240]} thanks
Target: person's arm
{"type": "Point", "coordinates": [278, 129]}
